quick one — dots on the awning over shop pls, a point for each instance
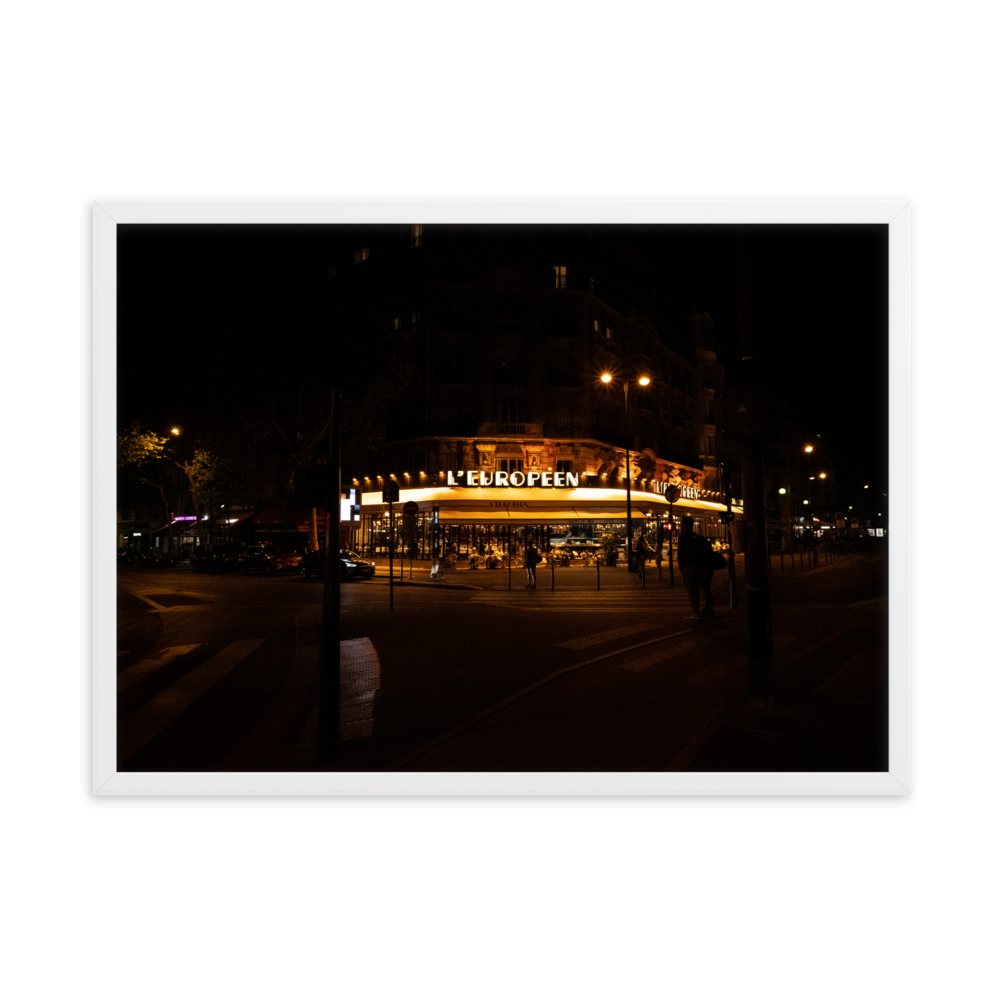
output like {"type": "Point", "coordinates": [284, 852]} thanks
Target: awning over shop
{"type": "Point", "coordinates": [535, 506]}
{"type": "Point", "coordinates": [180, 526]}
{"type": "Point", "coordinates": [234, 519]}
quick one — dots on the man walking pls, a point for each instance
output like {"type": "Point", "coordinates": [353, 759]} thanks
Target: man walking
{"type": "Point", "coordinates": [694, 554]}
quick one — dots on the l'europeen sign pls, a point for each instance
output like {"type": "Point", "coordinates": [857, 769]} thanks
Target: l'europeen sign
{"type": "Point", "coordinates": [551, 480]}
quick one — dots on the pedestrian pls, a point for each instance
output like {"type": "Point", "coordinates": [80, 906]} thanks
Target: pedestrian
{"type": "Point", "coordinates": [531, 559]}
{"type": "Point", "coordinates": [642, 553]}
{"type": "Point", "coordinates": [694, 555]}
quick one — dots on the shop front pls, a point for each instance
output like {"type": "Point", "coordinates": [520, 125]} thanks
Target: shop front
{"type": "Point", "coordinates": [466, 518]}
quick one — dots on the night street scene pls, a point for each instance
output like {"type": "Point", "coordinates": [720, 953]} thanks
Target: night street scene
{"type": "Point", "coordinates": [503, 498]}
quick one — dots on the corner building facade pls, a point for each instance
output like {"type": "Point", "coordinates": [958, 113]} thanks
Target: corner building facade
{"type": "Point", "coordinates": [509, 330]}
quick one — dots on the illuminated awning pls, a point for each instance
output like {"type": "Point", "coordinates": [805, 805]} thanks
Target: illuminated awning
{"type": "Point", "coordinates": [534, 505]}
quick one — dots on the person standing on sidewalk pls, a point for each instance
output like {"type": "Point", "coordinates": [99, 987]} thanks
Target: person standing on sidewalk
{"type": "Point", "coordinates": [642, 552]}
{"type": "Point", "coordinates": [694, 556]}
{"type": "Point", "coordinates": [531, 559]}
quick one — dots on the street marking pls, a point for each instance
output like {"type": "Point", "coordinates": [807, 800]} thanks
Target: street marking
{"type": "Point", "coordinates": [661, 655]}
{"type": "Point", "coordinates": [135, 731]}
{"type": "Point", "coordinates": [143, 668]}
{"type": "Point", "coordinates": [598, 637]}
{"type": "Point", "coordinates": [158, 607]}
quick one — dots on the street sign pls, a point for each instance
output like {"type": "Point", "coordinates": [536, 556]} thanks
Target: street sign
{"type": "Point", "coordinates": [390, 492]}
{"type": "Point", "coordinates": [410, 508]}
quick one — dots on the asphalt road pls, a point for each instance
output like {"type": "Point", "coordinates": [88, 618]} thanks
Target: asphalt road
{"type": "Point", "coordinates": [220, 672]}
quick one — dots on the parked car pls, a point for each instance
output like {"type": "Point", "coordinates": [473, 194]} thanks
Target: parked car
{"type": "Point", "coordinates": [352, 566]}
{"type": "Point", "coordinates": [215, 559]}
{"type": "Point", "coordinates": [355, 567]}
{"type": "Point", "coordinates": [269, 560]}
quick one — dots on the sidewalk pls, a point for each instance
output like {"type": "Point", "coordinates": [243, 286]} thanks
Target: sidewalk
{"type": "Point", "coordinates": [577, 577]}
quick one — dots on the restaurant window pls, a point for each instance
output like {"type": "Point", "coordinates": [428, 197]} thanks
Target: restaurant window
{"type": "Point", "coordinates": [416, 235]}
{"type": "Point", "coordinates": [360, 255]}
{"type": "Point", "coordinates": [560, 272]}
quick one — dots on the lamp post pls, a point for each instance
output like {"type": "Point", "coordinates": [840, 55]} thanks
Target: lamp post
{"type": "Point", "coordinates": [642, 380]}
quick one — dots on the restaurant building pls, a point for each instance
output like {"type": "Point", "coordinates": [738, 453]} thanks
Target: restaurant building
{"type": "Point", "coordinates": [481, 512]}
{"type": "Point", "coordinates": [549, 364]}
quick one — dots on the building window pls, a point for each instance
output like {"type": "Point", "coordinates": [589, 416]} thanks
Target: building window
{"type": "Point", "coordinates": [416, 235]}
{"type": "Point", "coordinates": [609, 333]}
{"type": "Point", "coordinates": [560, 276]}
{"type": "Point", "coordinates": [395, 323]}
{"type": "Point", "coordinates": [511, 464]}
{"type": "Point", "coordinates": [415, 316]}
{"type": "Point", "coordinates": [510, 411]}
{"type": "Point", "coordinates": [360, 255]}
{"type": "Point", "coordinates": [564, 465]}
{"type": "Point", "coordinates": [711, 445]}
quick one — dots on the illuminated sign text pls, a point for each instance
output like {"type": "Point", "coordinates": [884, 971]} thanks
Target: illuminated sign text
{"type": "Point", "coordinates": [547, 480]}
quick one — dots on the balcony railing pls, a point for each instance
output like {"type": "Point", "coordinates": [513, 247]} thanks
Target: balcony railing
{"type": "Point", "coordinates": [502, 428]}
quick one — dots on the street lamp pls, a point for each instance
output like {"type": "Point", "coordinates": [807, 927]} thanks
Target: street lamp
{"type": "Point", "coordinates": [642, 380]}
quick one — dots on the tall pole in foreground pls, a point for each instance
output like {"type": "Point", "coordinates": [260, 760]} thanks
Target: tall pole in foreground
{"type": "Point", "coordinates": [734, 600]}
{"type": "Point", "coordinates": [750, 420]}
{"type": "Point", "coordinates": [328, 737]}
{"type": "Point", "coordinates": [628, 490]}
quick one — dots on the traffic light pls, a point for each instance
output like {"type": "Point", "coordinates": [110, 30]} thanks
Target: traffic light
{"type": "Point", "coordinates": [668, 525]}
{"type": "Point", "coordinates": [726, 516]}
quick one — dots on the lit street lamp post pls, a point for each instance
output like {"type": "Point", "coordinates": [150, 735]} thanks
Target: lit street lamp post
{"type": "Point", "coordinates": [644, 380]}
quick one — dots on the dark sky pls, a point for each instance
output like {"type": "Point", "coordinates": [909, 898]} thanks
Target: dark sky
{"type": "Point", "coordinates": [201, 304]}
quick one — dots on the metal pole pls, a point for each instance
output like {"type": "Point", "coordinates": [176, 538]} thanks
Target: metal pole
{"type": "Point", "coordinates": [734, 601]}
{"type": "Point", "coordinates": [328, 735]}
{"type": "Point", "coordinates": [670, 544]}
{"type": "Point", "coordinates": [392, 545]}
{"type": "Point", "coordinates": [509, 560]}
{"type": "Point", "coordinates": [628, 490]}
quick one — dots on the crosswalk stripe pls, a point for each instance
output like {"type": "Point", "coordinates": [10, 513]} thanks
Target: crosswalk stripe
{"type": "Point", "coordinates": [570, 603]}
{"type": "Point", "coordinates": [598, 637]}
{"type": "Point", "coordinates": [143, 668]}
{"type": "Point", "coordinates": [135, 731]}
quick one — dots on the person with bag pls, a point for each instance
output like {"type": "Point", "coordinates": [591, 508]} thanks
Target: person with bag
{"type": "Point", "coordinates": [695, 558]}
